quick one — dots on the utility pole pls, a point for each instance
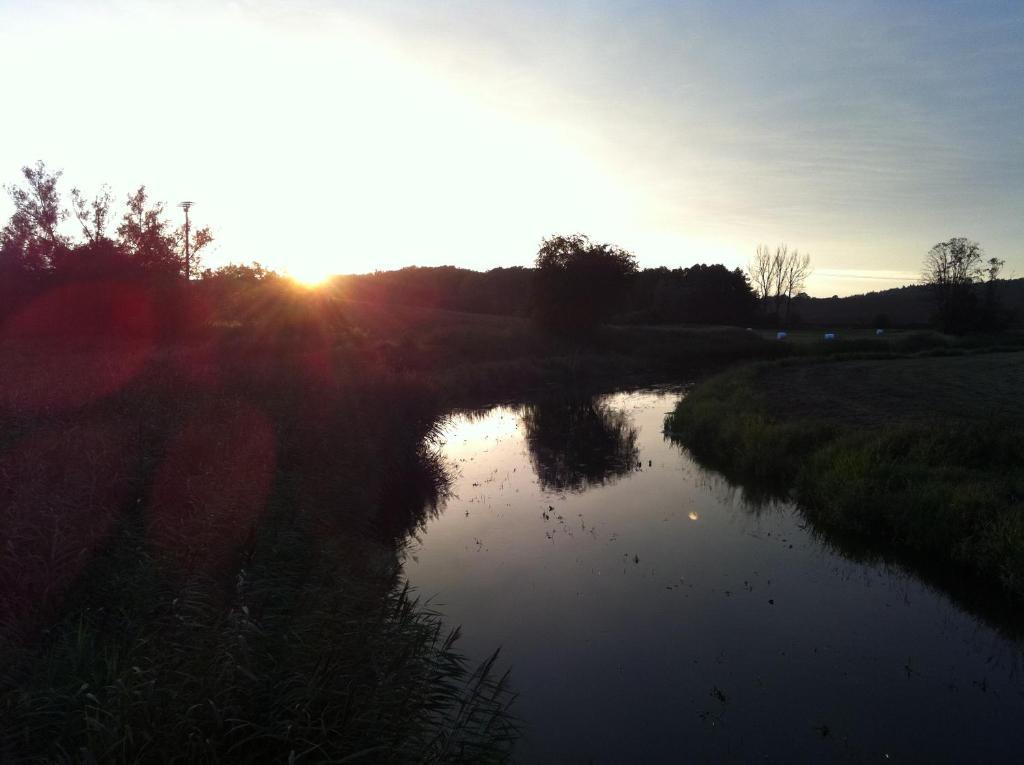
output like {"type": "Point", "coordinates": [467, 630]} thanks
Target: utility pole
{"type": "Point", "coordinates": [188, 256]}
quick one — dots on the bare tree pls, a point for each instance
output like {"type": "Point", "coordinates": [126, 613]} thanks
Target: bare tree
{"type": "Point", "coordinates": [779, 260]}
{"type": "Point", "coordinates": [762, 274]}
{"type": "Point", "coordinates": [778, 275]}
{"type": "Point", "coordinates": [795, 268]}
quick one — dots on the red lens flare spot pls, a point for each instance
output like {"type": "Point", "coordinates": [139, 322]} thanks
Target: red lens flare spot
{"type": "Point", "coordinates": [73, 345]}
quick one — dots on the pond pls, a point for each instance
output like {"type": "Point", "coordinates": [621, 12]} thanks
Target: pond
{"type": "Point", "coordinates": [650, 612]}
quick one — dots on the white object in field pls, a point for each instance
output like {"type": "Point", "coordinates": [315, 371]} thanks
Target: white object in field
{"type": "Point", "coordinates": [830, 335]}
{"type": "Point", "coordinates": [780, 335]}
{"type": "Point", "coordinates": [879, 331]}
{"type": "Point", "coordinates": [750, 329]}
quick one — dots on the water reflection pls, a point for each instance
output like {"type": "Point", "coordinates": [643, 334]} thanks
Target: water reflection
{"type": "Point", "coordinates": [970, 593]}
{"type": "Point", "coordinates": [663, 614]}
{"type": "Point", "coordinates": [576, 443]}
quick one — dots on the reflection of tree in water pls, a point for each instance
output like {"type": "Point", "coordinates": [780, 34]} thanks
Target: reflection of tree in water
{"type": "Point", "coordinates": [577, 443]}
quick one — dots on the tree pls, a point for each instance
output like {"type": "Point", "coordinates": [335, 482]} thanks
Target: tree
{"type": "Point", "coordinates": [93, 214]}
{"type": "Point", "coordinates": [712, 294]}
{"type": "Point", "coordinates": [796, 267]}
{"type": "Point", "coordinates": [239, 272]}
{"type": "Point", "coordinates": [144, 235]}
{"type": "Point", "coordinates": [950, 270]}
{"type": "Point", "coordinates": [778, 276]}
{"type": "Point", "coordinates": [579, 284]}
{"type": "Point", "coordinates": [994, 316]}
{"type": "Point", "coordinates": [762, 274]}
{"type": "Point", "coordinates": [30, 240]}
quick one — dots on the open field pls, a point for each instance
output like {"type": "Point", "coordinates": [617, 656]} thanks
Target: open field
{"type": "Point", "coordinates": [817, 336]}
{"type": "Point", "coordinates": [977, 387]}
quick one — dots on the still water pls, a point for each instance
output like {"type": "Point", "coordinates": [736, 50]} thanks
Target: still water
{"type": "Point", "coordinates": [649, 613]}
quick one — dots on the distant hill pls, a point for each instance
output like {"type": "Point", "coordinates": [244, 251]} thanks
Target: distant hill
{"type": "Point", "coordinates": [901, 307]}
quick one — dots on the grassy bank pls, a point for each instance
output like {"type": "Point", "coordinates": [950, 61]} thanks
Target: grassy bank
{"type": "Point", "coordinates": [916, 455]}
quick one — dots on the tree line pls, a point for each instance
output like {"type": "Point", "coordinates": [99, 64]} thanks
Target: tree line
{"type": "Point", "coordinates": [142, 242]}
{"type": "Point", "coordinates": [575, 285]}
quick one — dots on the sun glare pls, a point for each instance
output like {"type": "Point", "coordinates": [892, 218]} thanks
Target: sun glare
{"type": "Point", "coordinates": [310, 278]}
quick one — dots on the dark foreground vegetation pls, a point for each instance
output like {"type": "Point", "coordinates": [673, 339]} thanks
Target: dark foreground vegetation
{"type": "Point", "coordinates": [200, 560]}
{"type": "Point", "coordinates": [920, 456]}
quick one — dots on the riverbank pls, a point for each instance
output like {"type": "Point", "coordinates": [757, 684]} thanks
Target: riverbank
{"type": "Point", "coordinates": [919, 455]}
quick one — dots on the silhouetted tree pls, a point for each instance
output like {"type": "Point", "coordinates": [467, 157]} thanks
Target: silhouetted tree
{"type": "Point", "coordinates": [30, 241]}
{"type": "Point", "coordinates": [144, 236]}
{"type": "Point", "coordinates": [704, 294]}
{"type": "Point", "coordinates": [713, 294]}
{"type": "Point", "coordinates": [778, 276]}
{"type": "Point", "coordinates": [239, 272]}
{"type": "Point", "coordinates": [93, 214]}
{"type": "Point", "coordinates": [579, 284]}
{"type": "Point", "coordinates": [762, 274]}
{"type": "Point", "coordinates": [994, 315]}
{"type": "Point", "coordinates": [796, 267]}
{"type": "Point", "coordinates": [950, 270]}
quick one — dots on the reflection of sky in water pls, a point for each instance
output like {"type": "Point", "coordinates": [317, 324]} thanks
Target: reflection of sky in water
{"type": "Point", "coordinates": [636, 634]}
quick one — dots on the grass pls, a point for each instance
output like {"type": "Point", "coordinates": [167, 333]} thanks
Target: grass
{"type": "Point", "coordinates": [941, 481]}
{"type": "Point", "coordinates": [812, 342]}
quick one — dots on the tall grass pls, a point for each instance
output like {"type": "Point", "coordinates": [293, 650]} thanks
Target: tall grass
{"type": "Point", "coordinates": [297, 660]}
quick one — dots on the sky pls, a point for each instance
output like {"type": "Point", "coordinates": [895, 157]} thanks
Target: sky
{"type": "Point", "coordinates": [334, 136]}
